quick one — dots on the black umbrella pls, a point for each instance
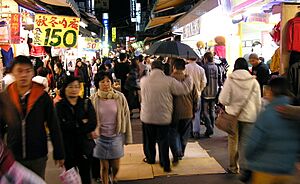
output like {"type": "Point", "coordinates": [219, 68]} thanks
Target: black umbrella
{"type": "Point", "coordinates": [172, 49]}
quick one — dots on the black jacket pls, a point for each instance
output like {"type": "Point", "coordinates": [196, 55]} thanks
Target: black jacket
{"type": "Point", "coordinates": [262, 74]}
{"type": "Point", "coordinates": [76, 122]}
{"type": "Point", "coordinates": [294, 79]}
{"type": "Point", "coordinates": [40, 112]}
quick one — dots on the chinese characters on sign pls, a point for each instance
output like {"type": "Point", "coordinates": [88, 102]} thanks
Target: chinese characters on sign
{"type": "Point", "coordinates": [92, 44]}
{"type": "Point", "coordinates": [192, 29]}
{"type": "Point", "coordinates": [15, 28]}
{"type": "Point", "coordinates": [114, 34]}
{"type": "Point", "coordinates": [54, 30]}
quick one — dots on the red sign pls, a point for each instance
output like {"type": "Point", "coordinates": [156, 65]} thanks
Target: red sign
{"type": "Point", "coordinates": [15, 28]}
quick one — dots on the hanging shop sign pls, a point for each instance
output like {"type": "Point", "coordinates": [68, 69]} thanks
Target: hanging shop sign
{"type": "Point", "coordinates": [138, 17]}
{"type": "Point", "coordinates": [55, 30]}
{"type": "Point", "coordinates": [92, 44]}
{"type": "Point", "coordinates": [192, 29]}
{"type": "Point", "coordinates": [27, 16]}
{"type": "Point", "coordinates": [114, 34]}
{"type": "Point", "coordinates": [237, 5]}
{"type": "Point", "coordinates": [258, 17]}
{"type": "Point", "coordinates": [105, 20]}
{"type": "Point", "coordinates": [133, 10]}
{"type": "Point", "coordinates": [15, 28]}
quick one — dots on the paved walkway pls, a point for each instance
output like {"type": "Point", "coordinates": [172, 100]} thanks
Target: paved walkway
{"type": "Point", "coordinates": [216, 147]}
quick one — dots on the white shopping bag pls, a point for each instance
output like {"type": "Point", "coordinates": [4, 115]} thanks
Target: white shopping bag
{"type": "Point", "coordinates": [70, 176]}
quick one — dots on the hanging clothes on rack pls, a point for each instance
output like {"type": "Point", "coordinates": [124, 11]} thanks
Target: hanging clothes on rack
{"type": "Point", "coordinates": [7, 55]}
{"type": "Point", "coordinates": [4, 32]}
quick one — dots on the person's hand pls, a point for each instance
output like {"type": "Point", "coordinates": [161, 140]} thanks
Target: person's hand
{"type": "Point", "coordinates": [94, 135]}
{"type": "Point", "coordinates": [60, 163]}
{"type": "Point", "coordinates": [289, 112]}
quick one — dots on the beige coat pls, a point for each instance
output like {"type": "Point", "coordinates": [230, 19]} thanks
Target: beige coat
{"type": "Point", "coordinates": [123, 116]}
{"type": "Point", "coordinates": [157, 92]}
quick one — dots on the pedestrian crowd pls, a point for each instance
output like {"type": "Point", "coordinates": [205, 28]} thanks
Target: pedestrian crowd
{"type": "Point", "coordinates": [87, 115]}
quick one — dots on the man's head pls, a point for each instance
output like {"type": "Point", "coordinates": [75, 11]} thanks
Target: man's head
{"type": "Point", "coordinates": [157, 65]}
{"type": "Point", "coordinates": [208, 57]}
{"type": "Point", "coordinates": [22, 70]}
{"type": "Point", "coordinates": [179, 65]}
{"type": "Point", "coordinates": [278, 86]}
{"type": "Point", "coordinates": [123, 56]}
{"type": "Point", "coordinates": [254, 59]}
{"type": "Point", "coordinates": [147, 60]}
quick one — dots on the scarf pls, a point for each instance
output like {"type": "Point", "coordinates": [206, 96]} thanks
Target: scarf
{"type": "Point", "coordinates": [108, 95]}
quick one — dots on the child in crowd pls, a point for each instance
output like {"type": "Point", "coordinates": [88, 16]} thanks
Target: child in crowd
{"type": "Point", "coordinates": [274, 142]}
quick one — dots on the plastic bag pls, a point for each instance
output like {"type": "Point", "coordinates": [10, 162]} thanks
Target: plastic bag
{"type": "Point", "coordinates": [70, 176]}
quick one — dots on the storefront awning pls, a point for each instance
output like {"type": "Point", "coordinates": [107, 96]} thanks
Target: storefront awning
{"type": "Point", "coordinates": [64, 3]}
{"type": "Point", "coordinates": [163, 5]}
{"type": "Point", "coordinates": [159, 21]}
{"type": "Point", "coordinates": [31, 6]}
{"type": "Point", "coordinates": [199, 9]}
{"type": "Point", "coordinates": [159, 37]}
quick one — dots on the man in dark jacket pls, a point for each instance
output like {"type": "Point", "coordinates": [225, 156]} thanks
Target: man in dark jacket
{"type": "Point", "coordinates": [210, 92]}
{"type": "Point", "coordinates": [260, 70]}
{"type": "Point", "coordinates": [27, 109]}
{"type": "Point", "coordinates": [122, 69]}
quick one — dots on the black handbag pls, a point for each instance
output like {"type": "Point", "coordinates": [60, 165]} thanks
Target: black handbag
{"type": "Point", "coordinates": [88, 146]}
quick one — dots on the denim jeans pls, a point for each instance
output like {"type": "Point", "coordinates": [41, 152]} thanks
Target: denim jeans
{"type": "Point", "coordinates": [197, 119]}
{"type": "Point", "coordinates": [237, 145]}
{"type": "Point", "coordinates": [209, 114]}
{"type": "Point", "coordinates": [178, 136]}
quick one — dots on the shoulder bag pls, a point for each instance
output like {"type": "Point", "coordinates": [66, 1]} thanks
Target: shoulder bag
{"type": "Point", "coordinates": [228, 122]}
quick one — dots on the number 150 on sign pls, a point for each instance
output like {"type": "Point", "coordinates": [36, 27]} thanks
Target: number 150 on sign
{"type": "Point", "coordinates": [56, 37]}
{"type": "Point", "coordinates": [55, 30]}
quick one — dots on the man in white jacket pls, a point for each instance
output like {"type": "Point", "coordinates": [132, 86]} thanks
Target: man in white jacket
{"type": "Point", "coordinates": [157, 92]}
{"type": "Point", "coordinates": [198, 75]}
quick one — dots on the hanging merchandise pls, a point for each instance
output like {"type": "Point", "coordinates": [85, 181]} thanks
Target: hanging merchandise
{"type": "Point", "coordinates": [70, 56]}
{"type": "Point", "coordinates": [275, 33]}
{"type": "Point", "coordinates": [293, 36]}
{"type": "Point", "coordinates": [4, 32]}
{"type": "Point", "coordinates": [275, 62]}
{"type": "Point", "coordinates": [7, 55]}
{"type": "Point", "coordinates": [220, 48]}
{"type": "Point", "coordinates": [37, 51]}
{"type": "Point", "coordinates": [22, 48]}
{"type": "Point", "coordinates": [55, 51]}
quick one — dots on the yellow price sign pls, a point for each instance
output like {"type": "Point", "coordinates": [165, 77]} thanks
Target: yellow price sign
{"type": "Point", "coordinates": [55, 30]}
{"type": "Point", "coordinates": [114, 34]}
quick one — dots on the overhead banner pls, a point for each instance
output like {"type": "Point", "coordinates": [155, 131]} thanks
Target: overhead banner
{"type": "Point", "coordinates": [15, 28]}
{"type": "Point", "coordinates": [55, 30]}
